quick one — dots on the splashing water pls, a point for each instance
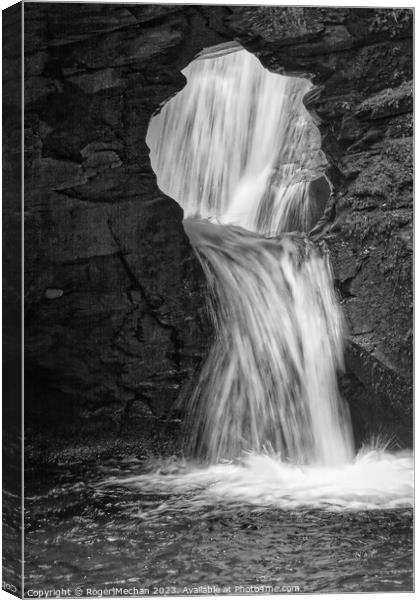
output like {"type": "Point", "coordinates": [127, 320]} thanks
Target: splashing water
{"type": "Point", "coordinates": [376, 479]}
{"type": "Point", "coordinates": [239, 152]}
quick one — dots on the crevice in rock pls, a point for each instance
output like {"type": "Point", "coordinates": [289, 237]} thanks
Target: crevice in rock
{"type": "Point", "coordinates": [344, 288]}
{"type": "Point", "coordinates": [177, 344]}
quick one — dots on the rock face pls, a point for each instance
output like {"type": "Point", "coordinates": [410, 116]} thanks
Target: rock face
{"type": "Point", "coordinates": [115, 299]}
{"type": "Point", "coordinates": [361, 62]}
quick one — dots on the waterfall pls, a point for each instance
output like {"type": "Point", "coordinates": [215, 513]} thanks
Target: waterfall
{"type": "Point", "coordinates": [270, 377]}
{"type": "Point", "coordinates": [239, 152]}
{"type": "Point", "coordinates": [237, 146]}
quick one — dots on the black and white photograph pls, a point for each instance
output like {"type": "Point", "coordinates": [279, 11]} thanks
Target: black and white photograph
{"type": "Point", "coordinates": [207, 299]}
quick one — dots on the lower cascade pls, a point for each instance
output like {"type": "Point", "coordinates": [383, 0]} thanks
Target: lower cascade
{"type": "Point", "coordinates": [240, 153]}
{"type": "Point", "coordinates": [270, 378]}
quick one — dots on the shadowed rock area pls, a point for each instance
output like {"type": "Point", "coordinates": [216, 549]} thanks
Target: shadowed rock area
{"type": "Point", "coordinates": [116, 322]}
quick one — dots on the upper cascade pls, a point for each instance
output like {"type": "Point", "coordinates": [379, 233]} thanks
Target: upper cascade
{"type": "Point", "coordinates": [238, 147]}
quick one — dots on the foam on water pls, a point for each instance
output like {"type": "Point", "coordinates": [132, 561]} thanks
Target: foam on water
{"type": "Point", "coordinates": [374, 479]}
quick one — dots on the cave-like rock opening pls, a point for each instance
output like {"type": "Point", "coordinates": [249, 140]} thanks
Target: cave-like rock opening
{"type": "Point", "coordinates": [238, 151]}
{"type": "Point", "coordinates": [237, 145]}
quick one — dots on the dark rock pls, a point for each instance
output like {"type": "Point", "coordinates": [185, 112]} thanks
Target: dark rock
{"type": "Point", "coordinates": [387, 103]}
{"type": "Point", "coordinates": [130, 325]}
{"type": "Point", "coordinates": [363, 106]}
{"type": "Point", "coordinates": [96, 81]}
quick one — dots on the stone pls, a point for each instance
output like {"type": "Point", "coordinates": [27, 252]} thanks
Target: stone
{"type": "Point", "coordinates": [48, 173]}
{"type": "Point", "coordinates": [125, 47]}
{"type": "Point", "coordinates": [131, 324]}
{"type": "Point", "coordinates": [388, 103]}
{"type": "Point", "coordinates": [52, 294]}
{"type": "Point", "coordinates": [94, 82]}
{"type": "Point", "coordinates": [37, 87]}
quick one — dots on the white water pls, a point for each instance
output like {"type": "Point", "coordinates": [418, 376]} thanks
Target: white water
{"type": "Point", "coordinates": [237, 150]}
{"type": "Point", "coordinates": [375, 479]}
{"type": "Point", "coordinates": [222, 147]}
{"type": "Point", "coordinates": [270, 377]}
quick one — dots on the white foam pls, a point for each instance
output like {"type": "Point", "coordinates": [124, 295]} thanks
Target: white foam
{"type": "Point", "coordinates": [374, 480]}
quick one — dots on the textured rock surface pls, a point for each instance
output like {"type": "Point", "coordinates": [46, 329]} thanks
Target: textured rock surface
{"type": "Point", "coordinates": [361, 62]}
{"type": "Point", "coordinates": [114, 296]}
{"type": "Point", "coordinates": [115, 309]}
{"type": "Point", "coordinates": [12, 277]}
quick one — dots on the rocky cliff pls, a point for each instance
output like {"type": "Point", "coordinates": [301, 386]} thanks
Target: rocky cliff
{"type": "Point", "coordinates": [115, 299]}
{"type": "Point", "coordinates": [360, 61]}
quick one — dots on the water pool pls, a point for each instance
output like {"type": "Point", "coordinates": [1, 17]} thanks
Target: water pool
{"type": "Point", "coordinates": [123, 524]}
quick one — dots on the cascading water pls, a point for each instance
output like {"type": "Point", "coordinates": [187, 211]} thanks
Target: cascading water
{"type": "Point", "coordinates": [270, 378]}
{"type": "Point", "coordinates": [238, 147]}
{"type": "Point", "coordinates": [241, 155]}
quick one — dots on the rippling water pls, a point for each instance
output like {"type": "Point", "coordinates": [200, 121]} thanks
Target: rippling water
{"type": "Point", "coordinates": [174, 524]}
